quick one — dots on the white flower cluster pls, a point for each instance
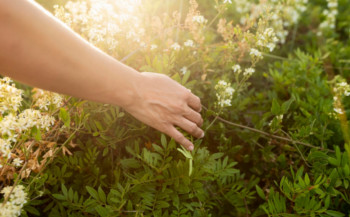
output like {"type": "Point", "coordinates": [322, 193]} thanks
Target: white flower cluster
{"type": "Point", "coordinates": [5, 149]}
{"type": "Point", "coordinates": [175, 46]}
{"type": "Point", "coordinates": [17, 198]}
{"type": "Point", "coordinates": [224, 93]}
{"type": "Point", "coordinates": [44, 99]}
{"type": "Point", "coordinates": [341, 88]}
{"type": "Point", "coordinates": [329, 22]}
{"type": "Point", "coordinates": [10, 96]}
{"type": "Point", "coordinates": [102, 22]}
{"type": "Point", "coordinates": [267, 39]}
{"type": "Point", "coordinates": [283, 13]}
{"type": "Point", "coordinates": [254, 53]}
{"type": "Point", "coordinates": [189, 43]}
{"type": "Point", "coordinates": [11, 126]}
{"type": "Point", "coordinates": [247, 72]}
{"type": "Point", "coordinates": [183, 70]}
{"type": "Point", "coordinates": [13, 122]}
{"type": "Point", "coordinates": [199, 19]}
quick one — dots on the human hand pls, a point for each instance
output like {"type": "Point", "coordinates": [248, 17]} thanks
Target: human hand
{"type": "Point", "coordinates": [162, 103]}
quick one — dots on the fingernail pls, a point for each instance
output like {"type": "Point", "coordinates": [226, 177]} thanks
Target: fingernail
{"type": "Point", "coordinates": [202, 135]}
{"type": "Point", "coordinates": [190, 148]}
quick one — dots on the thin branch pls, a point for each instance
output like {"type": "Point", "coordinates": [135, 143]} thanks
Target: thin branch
{"type": "Point", "coordinates": [268, 134]}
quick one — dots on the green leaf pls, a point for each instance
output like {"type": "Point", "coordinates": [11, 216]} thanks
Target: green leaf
{"type": "Point", "coordinates": [163, 140]}
{"type": "Point", "coordinates": [92, 192]}
{"type": "Point", "coordinates": [65, 117]}
{"type": "Point", "coordinates": [260, 192]}
{"type": "Point", "coordinates": [186, 153]}
{"type": "Point", "coordinates": [102, 211]}
{"type": "Point", "coordinates": [64, 190]}
{"type": "Point", "coordinates": [36, 133]}
{"type": "Point", "coordinates": [102, 195]}
{"type": "Point", "coordinates": [59, 196]}
{"type": "Point", "coordinates": [334, 213]}
{"type": "Point", "coordinates": [276, 108]}
{"type": "Point", "coordinates": [333, 161]}
{"type": "Point", "coordinates": [307, 179]}
{"type": "Point", "coordinates": [32, 210]}
{"type": "Point", "coordinates": [186, 76]}
{"type": "Point", "coordinates": [286, 105]}
{"type": "Point", "coordinates": [162, 204]}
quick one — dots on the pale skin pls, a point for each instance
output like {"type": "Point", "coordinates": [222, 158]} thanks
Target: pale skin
{"type": "Point", "coordinates": [39, 50]}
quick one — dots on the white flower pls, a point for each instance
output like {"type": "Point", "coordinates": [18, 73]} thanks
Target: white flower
{"type": "Point", "coordinates": [271, 46]}
{"type": "Point", "coordinates": [279, 117]}
{"type": "Point", "coordinates": [5, 148]}
{"type": "Point", "coordinates": [227, 1]}
{"type": "Point", "coordinates": [183, 70]}
{"type": "Point", "coordinates": [154, 46]}
{"type": "Point", "coordinates": [248, 71]}
{"type": "Point", "coordinates": [255, 53]}
{"type": "Point", "coordinates": [332, 4]}
{"type": "Point", "coordinates": [17, 199]}
{"type": "Point", "coordinates": [224, 93]}
{"type": "Point", "coordinates": [10, 96]}
{"type": "Point", "coordinates": [8, 125]}
{"type": "Point", "coordinates": [175, 46]}
{"type": "Point", "coordinates": [338, 110]}
{"type": "Point", "coordinates": [236, 68]}
{"type": "Point", "coordinates": [17, 162]}
{"type": "Point", "coordinates": [189, 43]}
{"type": "Point", "coordinates": [44, 99]}
{"type": "Point", "coordinates": [199, 19]}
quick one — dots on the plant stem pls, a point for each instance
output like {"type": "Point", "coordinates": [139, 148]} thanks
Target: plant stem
{"type": "Point", "coordinates": [268, 134]}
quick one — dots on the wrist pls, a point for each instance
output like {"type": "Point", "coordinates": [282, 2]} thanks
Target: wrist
{"type": "Point", "coordinates": [124, 91]}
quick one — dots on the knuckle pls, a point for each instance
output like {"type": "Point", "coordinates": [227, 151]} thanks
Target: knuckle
{"type": "Point", "coordinates": [178, 137]}
{"type": "Point", "coordinates": [186, 94]}
{"type": "Point", "coordinates": [180, 108]}
{"type": "Point", "coordinates": [193, 128]}
{"type": "Point", "coordinates": [201, 121]}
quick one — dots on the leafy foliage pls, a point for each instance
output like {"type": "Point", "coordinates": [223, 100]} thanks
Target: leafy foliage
{"type": "Point", "coordinates": [279, 148]}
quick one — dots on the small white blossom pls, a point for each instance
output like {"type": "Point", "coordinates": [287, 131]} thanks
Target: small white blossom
{"type": "Point", "coordinates": [199, 19]}
{"type": "Point", "coordinates": [271, 46]}
{"type": "Point", "coordinates": [236, 68]}
{"type": "Point", "coordinates": [330, 16]}
{"type": "Point", "coordinates": [248, 71]}
{"type": "Point", "coordinates": [154, 46]}
{"type": "Point", "coordinates": [10, 96]}
{"type": "Point", "coordinates": [44, 99]}
{"type": "Point", "coordinates": [338, 110]}
{"type": "Point", "coordinates": [189, 43]}
{"type": "Point", "coordinates": [17, 162]}
{"type": "Point", "coordinates": [183, 70]}
{"type": "Point", "coordinates": [5, 148]}
{"type": "Point", "coordinates": [175, 46]}
{"type": "Point", "coordinates": [224, 93]}
{"type": "Point", "coordinates": [227, 1]}
{"type": "Point", "coordinates": [255, 53]}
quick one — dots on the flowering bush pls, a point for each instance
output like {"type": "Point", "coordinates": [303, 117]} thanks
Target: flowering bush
{"type": "Point", "coordinates": [273, 77]}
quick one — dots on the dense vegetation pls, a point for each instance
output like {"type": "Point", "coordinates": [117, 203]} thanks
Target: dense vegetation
{"type": "Point", "coordinates": [273, 79]}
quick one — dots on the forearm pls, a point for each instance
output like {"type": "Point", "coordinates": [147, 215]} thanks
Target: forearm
{"type": "Point", "coordinates": [40, 51]}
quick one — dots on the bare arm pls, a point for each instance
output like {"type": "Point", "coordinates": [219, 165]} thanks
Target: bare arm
{"type": "Point", "coordinates": [37, 49]}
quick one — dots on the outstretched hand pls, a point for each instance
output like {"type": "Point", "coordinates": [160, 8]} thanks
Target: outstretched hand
{"type": "Point", "coordinates": [162, 103]}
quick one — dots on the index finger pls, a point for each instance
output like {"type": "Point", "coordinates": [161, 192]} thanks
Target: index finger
{"type": "Point", "coordinates": [194, 102]}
